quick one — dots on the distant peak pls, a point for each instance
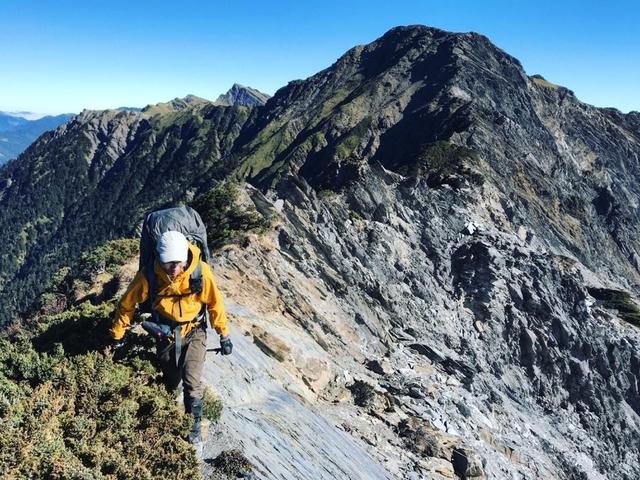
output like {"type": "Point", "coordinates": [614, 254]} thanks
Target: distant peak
{"type": "Point", "coordinates": [193, 99]}
{"type": "Point", "coordinates": [241, 95]}
{"type": "Point", "coordinates": [409, 30]}
{"type": "Point", "coordinates": [175, 104]}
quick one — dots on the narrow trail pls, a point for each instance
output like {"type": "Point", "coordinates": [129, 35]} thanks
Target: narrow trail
{"type": "Point", "coordinates": [281, 436]}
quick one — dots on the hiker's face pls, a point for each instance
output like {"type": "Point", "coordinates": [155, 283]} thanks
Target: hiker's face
{"type": "Point", "coordinates": [173, 269]}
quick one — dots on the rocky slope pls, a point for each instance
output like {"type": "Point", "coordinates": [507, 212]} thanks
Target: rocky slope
{"type": "Point", "coordinates": [450, 285]}
{"type": "Point", "coordinates": [454, 109]}
{"type": "Point", "coordinates": [429, 342]}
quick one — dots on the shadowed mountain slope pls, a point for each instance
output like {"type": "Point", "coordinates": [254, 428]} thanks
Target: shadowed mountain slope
{"type": "Point", "coordinates": [94, 178]}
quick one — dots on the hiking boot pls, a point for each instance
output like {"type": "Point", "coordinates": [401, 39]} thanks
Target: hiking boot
{"type": "Point", "coordinates": [196, 411]}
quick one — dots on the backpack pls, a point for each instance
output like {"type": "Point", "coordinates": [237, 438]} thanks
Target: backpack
{"type": "Point", "coordinates": [184, 220]}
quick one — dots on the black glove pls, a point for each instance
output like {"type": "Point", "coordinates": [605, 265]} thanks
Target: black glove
{"type": "Point", "coordinates": [226, 347]}
{"type": "Point", "coordinates": [117, 344]}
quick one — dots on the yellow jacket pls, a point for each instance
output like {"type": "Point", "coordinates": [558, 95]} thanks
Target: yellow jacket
{"type": "Point", "coordinates": [180, 309]}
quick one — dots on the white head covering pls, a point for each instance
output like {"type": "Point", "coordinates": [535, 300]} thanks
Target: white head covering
{"type": "Point", "coordinates": [173, 247]}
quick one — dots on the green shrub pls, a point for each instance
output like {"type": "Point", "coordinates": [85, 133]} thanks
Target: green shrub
{"type": "Point", "coordinates": [363, 393]}
{"type": "Point", "coordinates": [355, 216]}
{"type": "Point", "coordinates": [443, 162]}
{"type": "Point", "coordinates": [58, 277]}
{"type": "Point", "coordinates": [226, 220]}
{"type": "Point", "coordinates": [107, 257]}
{"type": "Point", "coordinates": [87, 415]}
{"type": "Point", "coordinates": [351, 141]}
{"type": "Point", "coordinates": [326, 194]}
{"type": "Point", "coordinates": [211, 406]}
{"type": "Point", "coordinates": [233, 464]}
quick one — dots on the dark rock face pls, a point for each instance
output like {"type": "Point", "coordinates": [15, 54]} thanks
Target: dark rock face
{"type": "Point", "coordinates": [475, 226]}
{"type": "Point", "coordinates": [512, 325]}
{"type": "Point", "coordinates": [467, 464]}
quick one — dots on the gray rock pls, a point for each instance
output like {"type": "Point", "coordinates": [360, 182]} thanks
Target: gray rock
{"type": "Point", "coordinates": [467, 463]}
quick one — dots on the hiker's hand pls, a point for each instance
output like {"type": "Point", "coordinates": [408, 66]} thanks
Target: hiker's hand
{"type": "Point", "coordinates": [226, 347]}
{"type": "Point", "coordinates": [117, 344]}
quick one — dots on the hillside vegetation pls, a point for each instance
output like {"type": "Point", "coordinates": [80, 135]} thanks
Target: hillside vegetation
{"type": "Point", "coordinates": [71, 406]}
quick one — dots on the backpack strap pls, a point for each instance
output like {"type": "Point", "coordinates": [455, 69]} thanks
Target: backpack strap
{"type": "Point", "coordinates": [152, 280]}
{"type": "Point", "coordinates": [195, 280]}
{"type": "Point", "coordinates": [177, 338]}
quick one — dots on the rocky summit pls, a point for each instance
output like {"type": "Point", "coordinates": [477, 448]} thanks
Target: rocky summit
{"type": "Point", "coordinates": [241, 95]}
{"type": "Point", "coordinates": [446, 280]}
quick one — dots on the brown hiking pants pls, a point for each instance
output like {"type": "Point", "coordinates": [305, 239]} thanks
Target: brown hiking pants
{"type": "Point", "coordinates": [189, 367]}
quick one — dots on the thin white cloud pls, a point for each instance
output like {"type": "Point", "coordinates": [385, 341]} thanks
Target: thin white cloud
{"type": "Point", "coordinates": [26, 115]}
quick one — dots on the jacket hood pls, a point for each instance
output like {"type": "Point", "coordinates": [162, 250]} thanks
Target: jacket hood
{"type": "Point", "coordinates": [194, 259]}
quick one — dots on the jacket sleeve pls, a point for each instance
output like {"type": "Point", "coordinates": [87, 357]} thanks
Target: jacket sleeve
{"type": "Point", "coordinates": [215, 305]}
{"type": "Point", "coordinates": [137, 292]}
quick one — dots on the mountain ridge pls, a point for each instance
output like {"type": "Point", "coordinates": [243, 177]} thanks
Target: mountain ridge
{"type": "Point", "coordinates": [17, 132]}
{"type": "Point", "coordinates": [457, 111]}
{"type": "Point", "coordinates": [455, 233]}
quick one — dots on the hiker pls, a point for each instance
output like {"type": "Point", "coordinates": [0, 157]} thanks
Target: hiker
{"type": "Point", "coordinates": [178, 315]}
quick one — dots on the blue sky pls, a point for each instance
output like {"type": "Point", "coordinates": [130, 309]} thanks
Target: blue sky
{"type": "Point", "coordinates": [63, 56]}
